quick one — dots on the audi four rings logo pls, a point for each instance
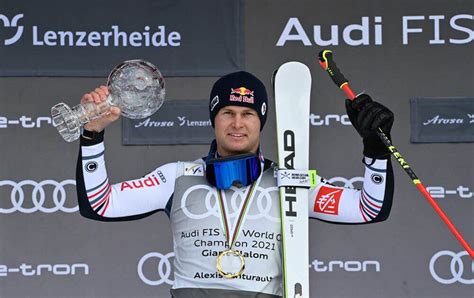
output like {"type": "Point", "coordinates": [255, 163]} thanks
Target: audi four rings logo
{"type": "Point", "coordinates": [163, 266]}
{"type": "Point", "coordinates": [38, 199]}
{"type": "Point", "coordinates": [457, 270]}
{"type": "Point", "coordinates": [210, 205]}
{"type": "Point", "coordinates": [345, 182]}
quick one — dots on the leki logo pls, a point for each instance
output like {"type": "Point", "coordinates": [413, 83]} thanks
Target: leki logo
{"type": "Point", "coordinates": [327, 200]}
{"type": "Point", "coordinates": [12, 24]}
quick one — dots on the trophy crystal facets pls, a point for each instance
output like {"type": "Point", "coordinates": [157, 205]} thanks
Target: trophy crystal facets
{"type": "Point", "coordinates": [136, 87]}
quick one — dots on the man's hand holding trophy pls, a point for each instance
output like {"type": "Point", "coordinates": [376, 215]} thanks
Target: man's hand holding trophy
{"type": "Point", "coordinates": [135, 89]}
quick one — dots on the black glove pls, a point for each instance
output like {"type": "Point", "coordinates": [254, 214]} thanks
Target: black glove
{"type": "Point", "coordinates": [367, 116]}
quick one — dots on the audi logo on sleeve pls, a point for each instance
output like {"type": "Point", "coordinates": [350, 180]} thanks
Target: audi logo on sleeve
{"type": "Point", "coordinates": [28, 196]}
{"type": "Point", "coordinates": [448, 267]}
{"type": "Point", "coordinates": [160, 268]}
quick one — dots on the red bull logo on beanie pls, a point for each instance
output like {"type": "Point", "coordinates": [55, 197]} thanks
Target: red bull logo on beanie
{"type": "Point", "coordinates": [241, 94]}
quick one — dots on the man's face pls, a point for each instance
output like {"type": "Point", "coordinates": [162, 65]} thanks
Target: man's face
{"type": "Point", "coordinates": [237, 130]}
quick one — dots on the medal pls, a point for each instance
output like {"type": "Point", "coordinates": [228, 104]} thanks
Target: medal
{"type": "Point", "coordinates": [230, 275]}
{"type": "Point", "coordinates": [232, 239]}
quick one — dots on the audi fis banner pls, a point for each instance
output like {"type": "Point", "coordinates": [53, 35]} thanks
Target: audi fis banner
{"type": "Point", "coordinates": [177, 122]}
{"type": "Point", "coordinates": [436, 120]}
{"type": "Point", "coordinates": [36, 40]}
{"type": "Point", "coordinates": [369, 31]}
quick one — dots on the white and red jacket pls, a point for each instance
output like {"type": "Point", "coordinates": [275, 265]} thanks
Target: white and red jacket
{"type": "Point", "coordinates": [182, 191]}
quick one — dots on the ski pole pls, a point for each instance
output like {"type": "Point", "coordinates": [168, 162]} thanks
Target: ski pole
{"type": "Point", "coordinates": [327, 63]}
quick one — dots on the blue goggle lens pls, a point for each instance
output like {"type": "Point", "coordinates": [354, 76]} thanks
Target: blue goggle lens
{"type": "Point", "coordinates": [225, 172]}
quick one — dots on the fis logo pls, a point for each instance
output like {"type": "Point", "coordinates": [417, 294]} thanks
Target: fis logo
{"type": "Point", "coordinates": [12, 24]}
{"type": "Point", "coordinates": [192, 169]}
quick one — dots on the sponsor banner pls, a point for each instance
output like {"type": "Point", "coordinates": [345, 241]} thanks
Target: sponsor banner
{"type": "Point", "coordinates": [25, 121]}
{"type": "Point", "coordinates": [329, 119]}
{"type": "Point", "coordinates": [156, 268]}
{"type": "Point", "coordinates": [438, 120]}
{"type": "Point", "coordinates": [177, 122]}
{"type": "Point", "coordinates": [30, 270]}
{"type": "Point", "coordinates": [347, 266]}
{"type": "Point", "coordinates": [63, 38]}
{"type": "Point", "coordinates": [368, 30]}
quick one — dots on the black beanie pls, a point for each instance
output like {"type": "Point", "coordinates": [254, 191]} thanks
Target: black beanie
{"type": "Point", "coordinates": [239, 89]}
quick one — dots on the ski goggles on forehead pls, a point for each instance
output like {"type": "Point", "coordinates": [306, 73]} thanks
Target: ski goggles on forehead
{"type": "Point", "coordinates": [241, 169]}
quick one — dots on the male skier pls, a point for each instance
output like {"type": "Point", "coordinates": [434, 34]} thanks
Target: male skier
{"type": "Point", "coordinates": [224, 208]}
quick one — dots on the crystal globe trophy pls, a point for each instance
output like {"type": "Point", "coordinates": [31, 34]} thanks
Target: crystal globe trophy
{"type": "Point", "coordinates": [135, 86]}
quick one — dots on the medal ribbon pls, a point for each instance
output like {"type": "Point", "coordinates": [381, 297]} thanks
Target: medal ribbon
{"type": "Point", "coordinates": [243, 209]}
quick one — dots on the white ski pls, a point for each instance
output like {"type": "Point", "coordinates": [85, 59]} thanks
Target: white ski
{"type": "Point", "coordinates": [292, 88]}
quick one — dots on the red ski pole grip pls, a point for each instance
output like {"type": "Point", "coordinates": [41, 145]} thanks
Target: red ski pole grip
{"type": "Point", "coordinates": [327, 62]}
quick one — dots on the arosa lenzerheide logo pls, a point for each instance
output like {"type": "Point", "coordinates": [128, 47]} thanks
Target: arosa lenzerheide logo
{"type": "Point", "coordinates": [440, 120]}
{"type": "Point", "coordinates": [114, 36]}
{"type": "Point", "coordinates": [12, 25]}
